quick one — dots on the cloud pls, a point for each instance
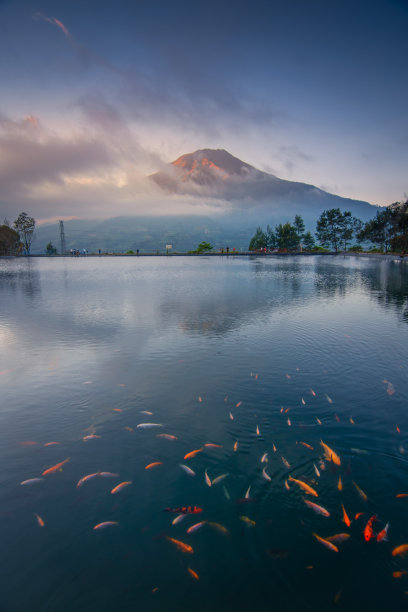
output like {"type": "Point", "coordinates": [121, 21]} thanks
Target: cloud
{"type": "Point", "coordinates": [54, 21]}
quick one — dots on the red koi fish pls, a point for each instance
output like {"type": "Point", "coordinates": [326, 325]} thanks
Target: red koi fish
{"type": "Point", "coordinates": [382, 535]}
{"type": "Point", "coordinates": [55, 468]}
{"type": "Point", "coordinates": [368, 530]}
{"type": "Point", "coordinates": [184, 510]}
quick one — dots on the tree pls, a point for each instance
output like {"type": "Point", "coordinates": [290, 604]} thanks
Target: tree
{"type": "Point", "coordinates": [308, 241]}
{"type": "Point", "coordinates": [25, 226]}
{"type": "Point", "coordinates": [330, 228]}
{"type": "Point", "coordinates": [270, 238]}
{"type": "Point", "coordinates": [203, 247]}
{"type": "Point", "coordinates": [9, 241]}
{"type": "Point", "coordinates": [389, 228]}
{"type": "Point", "coordinates": [258, 241]}
{"type": "Point", "coordinates": [351, 226]}
{"type": "Point", "coordinates": [50, 249]}
{"type": "Point", "coordinates": [286, 236]}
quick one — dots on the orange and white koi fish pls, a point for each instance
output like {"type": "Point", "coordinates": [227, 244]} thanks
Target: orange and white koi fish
{"type": "Point", "coordinates": [238, 405]}
{"type": "Point", "coordinates": [338, 538]}
{"type": "Point", "coordinates": [51, 443]}
{"type": "Point", "coordinates": [318, 509]}
{"type": "Point", "coordinates": [235, 447]}
{"type": "Point", "coordinates": [400, 551]}
{"type": "Point", "coordinates": [264, 458]}
{"type": "Point", "coordinates": [105, 524]}
{"type": "Point", "coordinates": [39, 520]}
{"type": "Point", "coordinates": [382, 535]}
{"type": "Point", "coordinates": [285, 462]}
{"type": "Point", "coordinates": [193, 573]}
{"type": "Point", "coordinates": [85, 478]}
{"type": "Point", "coordinates": [146, 412]}
{"type": "Point", "coordinates": [265, 475]}
{"type": "Point", "coordinates": [187, 470]}
{"type": "Point", "coordinates": [318, 421]}
{"type": "Point", "coordinates": [309, 490]}
{"type": "Point", "coordinates": [340, 484]}
{"type": "Point", "coordinates": [185, 548]}
{"type": "Point", "coordinates": [148, 425]}
{"type": "Point", "coordinates": [195, 527]}
{"type": "Point", "coordinates": [345, 519]}
{"type": "Point", "coordinates": [207, 479]}
{"type": "Point", "coordinates": [329, 454]}
{"type": "Point", "coordinates": [55, 468]}
{"type": "Point", "coordinates": [257, 431]}
{"type": "Point", "coordinates": [178, 519]}
{"type": "Point", "coordinates": [211, 445]}
{"type": "Point", "coordinates": [303, 402]}
{"type": "Point", "coordinates": [90, 437]}
{"type": "Point", "coordinates": [360, 492]}
{"type": "Point", "coordinates": [154, 464]}
{"type": "Point", "coordinates": [121, 486]}
{"type": "Point", "coordinates": [247, 493]}
{"type": "Point", "coordinates": [289, 422]}
{"type": "Point", "coordinates": [31, 481]}
{"type": "Point", "coordinates": [200, 399]}
{"type": "Point", "coordinates": [368, 530]}
{"type": "Point", "coordinates": [231, 416]}
{"type": "Point", "coordinates": [167, 436]}
{"type": "Point", "coordinates": [326, 543]}
{"type": "Point", "coordinates": [193, 453]}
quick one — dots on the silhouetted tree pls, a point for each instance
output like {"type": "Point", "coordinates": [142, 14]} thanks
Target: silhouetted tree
{"type": "Point", "coordinates": [9, 241]}
{"type": "Point", "coordinates": [25, 226]}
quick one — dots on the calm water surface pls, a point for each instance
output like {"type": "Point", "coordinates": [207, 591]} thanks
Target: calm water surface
{"type": "Point", "coordinates": [255, 354]}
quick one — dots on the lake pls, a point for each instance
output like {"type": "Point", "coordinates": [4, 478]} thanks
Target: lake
{"type": "Point", "coordinates": [252, 362]}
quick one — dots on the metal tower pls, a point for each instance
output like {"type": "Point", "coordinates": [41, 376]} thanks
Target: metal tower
{"type": "Point", "coordinates": [62, 236]}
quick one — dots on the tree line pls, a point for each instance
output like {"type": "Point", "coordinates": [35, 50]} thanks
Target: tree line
{"type": "Point", "coordinates": [17, 239]}
{"type": "Point", "coordinates": [388, 231]}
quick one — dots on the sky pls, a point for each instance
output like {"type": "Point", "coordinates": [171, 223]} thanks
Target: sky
{"type": "Point", "coordinates": [94, 96]}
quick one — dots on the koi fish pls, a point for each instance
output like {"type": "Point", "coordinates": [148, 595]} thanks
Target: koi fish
{"type": "Point", "coordinates": [338, 538]}
{"type": "Point", "coordinates": [211, 445]}
{"type": "Point", "coordinates": [399, 574]}
{"type": "Point", "coordinates": [401, 550]}
{"type": "Point", "coordinates": [200, 399]}
{"type": "Point", "coordinates": [329, 399]}
{"type": "Point", "coordinates": [231, 416]}
{"type": "Point", "coordinates": [178, 519]}
{"type": "Point", "coordinates": [207, 479]}
{"type": "Point", "coordinates": [31, 481]}
{"type": "Point", "coordinates": [193, 453]}
{"type": "Point", "coordinates": [248, 521]}
{"type": "Point", "coordinates": [382, 535]}
{"type": "Point", "coordinates": [326, 543]}
{"type": "Point", "coordinates": [167, 436]}
{"type": "Point", "coordinates": [195, 527]}
{"type": "Point", "coordinates": [318, 509]}
{"type": "Point", "coordinates": [309, 490]}
{"type": "Point", "coordinates": [287, 487]}
{"type": "Point", "coordinates": [184, 510]}
{"type": "Point", "coordinates": [146, 412]}
{"type": "Point", "coordinates": [289, 422]}
{"type": "Point", "coordinates": [39, 520]}
{"type": "Point", "coordinates": [285, 462]}
{"type": "Point", "coordinates": [345, 519]}
{"type": "Point", "coordinates": [340, 484]}
{"type": "Point", "coordinates": [235, 447]}
{"type": "Point", "coordinates": [129, 428]}
{"type": "Point", "coordinates": [247, 493]}
{"type": "Point", "coordinates": [193, 573]}
{"type": "Point", "coordinates": [264, 458]}
{"type": "Point", "coordinates": [154, 464]}
{"type": "Point", "coordinates": [316, 471]}
{"type": "Point", "coordinates": [187, 470]}
{"type": "Point", "coordinates": [85, 478]}
{"type": "Point", "coordinates": [306, 445]}
{"type": "Point", "coordinates": [257, 431]}
{"type": "Point", "coordinates": [329, 454]}
{"type": "Point", "coordinates": [238, 405]}
{"type": "Point", "coordinates": [399, 495]}
{"type": "Point", "coordinates": [265, 475]}
{"type": "Point", "coordinates": [368, 530]}
{"type": "Point", "coordinates": [360, 492]}
{"type": "Point", "coordinates": [121, 486]}
{"type": "Point", "coordinates": [352, 421]}
{"type": "Point", "coordinates": [55, 468]}
{"type": "Point", "coordinates": [318, 421]}
{"type": "Point", "coordinates": [303, 402]}
{"type": "Point", "coordinates": [358, 515]}
{"type": "Point", "coordinates": [90, 437]}
{"type": "Point", "coordinates": [218, 479]}
{"type": "Point", "coordinates": [108, 474]}
{"type": "Point", "coordinates": [218, 527]}
{"type": "Point", "coordinates": [274, 448]}
{"type": "Point", "coordinates": [186, 548]}
{"type": "Point", "coordinates": [51, 443]}
{"type": "Point", "coordinates": [105, 524]}
{"type": "Point", "coordinates": [312, 392]}
{"type": "Point", "coordinates": [148, 425]}
{"type": "Point", "coordinates": [116, 409]}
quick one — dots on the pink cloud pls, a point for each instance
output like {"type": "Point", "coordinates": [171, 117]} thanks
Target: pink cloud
{"type": "Point", "coordinates": [56, 22]}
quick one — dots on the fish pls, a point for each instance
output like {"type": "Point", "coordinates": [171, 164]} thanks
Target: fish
{"type": "Point", "coordinates": [358, 515]}
{"type": "Point", "coordinates": [329, 399]}
{"type": "Point", "coordinates": [329, 454]}
{"type": "Point", "coordinates": [265, 475]}
{"type": "Point", "coordinates": [309, 490]}
{"type": "Point", "coordinates": [326, 543]}
{"type": "Point", "coordinates": [382, 535]}
{"type": "Point", "coordinates": [211, 445]}
{"type": "Point", "coordinates": [129, 428]}
{"type": "Point", "coordinates": [154, 464]}
{"type": "Point", "coordinates": [148, 425]}
{"type": "Point", "coordinates": [247, 493]}
{"type": "Point", "coordinates": [248, 521]}
{"type": "Point", "coordinates": [258, 433]}
{"type": "Point", "coordinates": [185, 510]}
{"type": "Point", "coordinates": [218, 527]}
{"type": "Point", "coordinates": [274, 448]}
{"type": "Point", "coordinates": [318, 421]}
{"type": "Point", "coordinates": [187, 470]}
{"type": "Point", "coordinates": [207, 479]}
{"type": "Point", "coordinates": [340, 484]}
{"type": "Point", "coordinates": [368, 529]}
{"type": "Point", "coordinates": [360, 492]}
{"type": "Point", "coordinates": [306, 445]}
{"type": "Point", "coordinates": [85, 478]}
{"type": "Point", "coordinates": [345, 519]}
{"type": "Point", "coordinates": [231, 416]}
{"type": "Point", "coordinates": [193, 453]}
{"type": "Point", "coordinates": [352, 421]}
{"type": "Point", "coordinates": [318, 509]}
{"type": "Point", "coordinates": [287, 487]}
{"type": "Point", "coordinates": [200, 399]}
{"type": "Point", "coordinates": [121, 486]}
{"type": "Point", "coordinates": [105, 524]}
{"type": "Point", "coordinates": [185, 548]}
{"type": "Point", "coordinates": [218, 479]}
{"type": "Point", "coordinates": [264, 458]}
{"type": "Point", "coordinates": [39, 520]}
{"type": "Point", "coordinates": [399, 574]}
{"type": "Point", "coordinates": [55, 468]}
{"type": "Point", "coordinates": [31, 481]}
{"type": "Point", "coordinates": [193, 573]}
{"type": "Point", "coordinates": [116, 409]}
{"type": "Point", "coordinates": [178, 519]}
{"type": "Point", "coordinates": [146, 412]}
{"type": "Point", "coordinates": [226, 493]}
{"type": "Point", "coordinates": [90, 437]}
{"type": "Point", "coordinates": [285, 462]}
{"type": "Point", "coordinates": [167, 436]}
{"type": "Point", "coordinates": [338, 538]}
{"type": "Point", "coordinates": [400, 551]}
{"type": "Point", "coordinates": [235, 447]}
{"type": "Point", "coordinates": [303, 402]}
{"type": "Point", "coordinates": [238, 405]}
{"type": "Point", "coordinates": [399, 495]}
{"type": "Point", "coordinates": [316, 471]}
{"type": "Point", "coordinates": [108, 474]}
{"type": "Point", "coordinates": [289, 422]}
{"type": "Point", "coordinates": [195, 527]}
{"type": "Point", "coordinates": [312, 392]}
{"type": "Point", "coordinates": [51, 443]}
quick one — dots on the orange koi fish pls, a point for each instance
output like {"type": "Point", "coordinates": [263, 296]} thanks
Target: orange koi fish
{"type": "Point", "coordinates": [289, 422]}
{"type": "Point", "coordinates": [211, 445]}
{"type": "Point", "coordinates": [116, 409]}
{"type": "Point", "coordinates": [368, 530]}
{"type": "Point", "coordinates": [313, 392]}
{"type": "Point", "coordinates": [265, 475]}
{"type": "Point", "coordinates": [193, 453]}
{"type": "Point", "coordinates": [382, 535]}
{"type": "Point", "coordinates": [231, 416]}
{"type": "Point", "coordinates": [167, 436]}
{"type": "Point", "coordinates": [309, 490]}
{"type": "Point", "coordinates": [51, 443]}
{"type": "Point", "coordinates": [193, 573]}
{"type": "Point", "coordinates": [121, 486]}
{"type": "Point", "coordinates": [358, 515]}
{"type": "Point", "coordinates": [399, 574]}
{"type": "Point", "coordinates": [184, 510]}
{"type": "Point", "coordinates": [257, 430]}
{"type": "Point", "coordinates": [39, 520]}
{"type": "Point", "coordinates": [274, 448]}
{"type": "Point", "coordinates": [207, 479]}
{"type": "Point", "coordinates": [329, 454]}
{"type": "Point", "coordinates": [218, 527]}
{"type": "Point", "coordinates": [306, 445]}
{"type": "Point", "coordinates": [326, 543]}
{"type": "Point", "coordinates": [186, 548]}
{"type": "Point", "coordinates": [352, 421]}
{"type": "Point", "coordinates": [85, 478]}
{"type": "Point", "coordinates": [318, 509]}
{"type": "Point", "coordinates": [345, 519]}
{"type": "Point", "coordinates": [318, 421]}
{"type": "Point", "coordinates": [200, 399]}
{"type": "Point", "coordinates": [154, 464]}
{"type": "Point", "coordinates": [55, 468]}
{"type": "Point", "coordinates": [400, 550]}
{"type": "Point", "coordinates": [399, 495]}
{"type": "Point", "coordinates": [338, 538]}
{"type": "Point", "coordinates": [360, 492]}
{"type": "Point", "coordinates": [238, 405]}
{"type": "Point", "coordinates": [235, 446]}
{"type": "Point", "coordinates": [340, 484]}
{"type": "Point", "coordinates": [105, 524]}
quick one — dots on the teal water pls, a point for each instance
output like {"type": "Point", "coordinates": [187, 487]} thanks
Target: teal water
{"type": "Point", "coordinates": [217, 350]}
